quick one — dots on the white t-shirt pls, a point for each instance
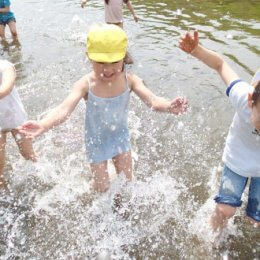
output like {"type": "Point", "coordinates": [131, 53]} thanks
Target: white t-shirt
{"type": "Point", "coordinates": [242, 150]}
{"type": "Point", "coordinates": [12, 112]}
{"type": "Point", "coordinates": [114, 11]}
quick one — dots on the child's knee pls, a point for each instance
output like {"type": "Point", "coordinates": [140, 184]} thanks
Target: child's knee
{"type": "Point", "coordinates": [100, 186]}
{"type": "Point", "coordinates": [14, 34]}
{"type": "Point", "coordinates": [29, 156]}
{"type": "Point", "coordinates": [225, 211]}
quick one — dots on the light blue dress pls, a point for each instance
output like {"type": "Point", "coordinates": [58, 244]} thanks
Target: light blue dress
{"type": "Point", "coordinates": [106, 126]}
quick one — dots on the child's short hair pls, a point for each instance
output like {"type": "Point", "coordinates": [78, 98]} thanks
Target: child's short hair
{"type": "Point", "coordinates": [256, 93]}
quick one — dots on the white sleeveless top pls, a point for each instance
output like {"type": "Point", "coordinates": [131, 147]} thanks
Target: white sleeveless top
{"type": "Point", "coordinates": [12, 112]}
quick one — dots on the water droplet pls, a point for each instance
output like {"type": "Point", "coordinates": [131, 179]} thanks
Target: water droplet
{"type": "Point", "coordinates": [179, 12]}
{"type": "Point", "coordinates": [113, 127]}
{"type": "Point", "coordinates": [229, 36]}
{"type": "Point", "coordinates": [180, 125]}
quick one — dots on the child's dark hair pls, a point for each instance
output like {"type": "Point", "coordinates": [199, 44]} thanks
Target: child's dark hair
{"type": "Point", "coordinates": [107, 1]}
{"type": "Point", "coordinates": [256, 93]}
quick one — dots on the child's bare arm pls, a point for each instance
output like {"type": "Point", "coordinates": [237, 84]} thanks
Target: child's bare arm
{"type": "Point", "coordinates": [189, 42]}
{"type": "Point", "coordinates": [131, 9]}
{"type": "Point", "coordinates": [160, 104]}
{"type": "Point", "coordinates": [83, 3]}
{"type": "Point", "coordinates": [59, 114]}
{"type": "Point", "coordinates": [8, 80]}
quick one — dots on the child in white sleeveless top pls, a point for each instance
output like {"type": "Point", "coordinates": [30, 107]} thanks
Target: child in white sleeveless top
{"type": "Point", "coordinates": [114, 15]}
{"type": "Point", "coordinates": [12, 115]}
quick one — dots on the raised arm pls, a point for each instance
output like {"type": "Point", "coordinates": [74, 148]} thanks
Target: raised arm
{"type": "Point", "coordinates": [160, 104]}
{"type": "Point", "coordinates": [8, 80]}
{"type": "Point", "coordinates": [131, 9]}
{"type": "Point", "coordinates": [189, 42]}
{"type": "Point", "coordinates": [59, 114]}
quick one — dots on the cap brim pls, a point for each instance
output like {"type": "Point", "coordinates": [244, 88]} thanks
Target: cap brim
{"type": "Point", "coordinates": [256, 77]}
{"type": "Point", "coordinates": [106, 57]}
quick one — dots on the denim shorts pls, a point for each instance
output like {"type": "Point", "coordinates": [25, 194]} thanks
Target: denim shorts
{"type": "Point", "coordinates": [231, 189]}
{"type": "Point", "coordinates": [6, 21]}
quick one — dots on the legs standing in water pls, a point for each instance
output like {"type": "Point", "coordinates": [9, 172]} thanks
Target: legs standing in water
{"type": "Point", "coordinates": [2, 158]}
{"type": "Point", "coordinates": [127, 59]}
{"type": "Point", "coordinates": [229, 197]}
{"type": "Point", "coordinates": [2, 31]}
{"type": "Point", "coordinates": [25, 147]}
{"type": "Point", "coordinates": [122, 163]}
{"type": "Point", "coordinates": [12, 26]}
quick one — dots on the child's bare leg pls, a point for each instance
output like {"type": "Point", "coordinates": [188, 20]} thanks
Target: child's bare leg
{"type": "Point", "coordinates": [2, 31]}
{"type": "Point", "coordinates": [2, 158]}
{"type": "Point", "coordinates": [12, 27]}
{"type": "Point", "coordinates": [101, 178]}
{"type": "Point", "coordinates": [221, 215]}
{"type": "Point", "coordinates": [25, 146]}
{"type": "Point", "coordinates": [253, 222]}
{"type": "Point", "coordinates": [123, 163]}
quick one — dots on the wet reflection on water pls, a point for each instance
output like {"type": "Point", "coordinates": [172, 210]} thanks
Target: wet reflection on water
{"type": "Point", "coordinates": [52, 213]}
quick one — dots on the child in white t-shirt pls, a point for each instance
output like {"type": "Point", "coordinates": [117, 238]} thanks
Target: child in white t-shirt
{"type": "Point", "coordinates": [242, 150]}
{"type": "Point", "coordinates": [12, 115]}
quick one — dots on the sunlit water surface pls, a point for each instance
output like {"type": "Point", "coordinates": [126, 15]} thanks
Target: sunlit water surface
{"type": "Point", "coordinates": [51, 211]}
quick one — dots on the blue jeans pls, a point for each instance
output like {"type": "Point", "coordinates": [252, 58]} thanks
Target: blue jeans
{"type": "Point", "coordinates": [231, 189]}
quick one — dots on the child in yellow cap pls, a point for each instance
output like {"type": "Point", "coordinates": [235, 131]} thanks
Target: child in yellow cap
{"type": "Point", "coordinates": [106, 91]}
{"type": "Point", "coordinates": [114, 15]}
{"type": "Point", "coordinates": [242, 150]}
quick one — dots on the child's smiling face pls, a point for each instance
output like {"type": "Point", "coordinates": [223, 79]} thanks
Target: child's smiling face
{"type": "Point", "coordinates": [107, 71]}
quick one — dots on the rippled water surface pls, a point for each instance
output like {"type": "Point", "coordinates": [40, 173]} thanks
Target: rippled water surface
{"type": "Point", "coordinates": [51, 212]}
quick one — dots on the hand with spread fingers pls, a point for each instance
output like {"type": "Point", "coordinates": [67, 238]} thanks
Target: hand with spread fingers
{"type": "Point", "coordinates": [189, 41]}
{"type": "Point", "coordinates": [178, 106]}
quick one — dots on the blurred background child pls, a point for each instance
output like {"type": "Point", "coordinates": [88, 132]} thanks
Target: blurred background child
{"type": "Point", "coordinates": [7, 18]}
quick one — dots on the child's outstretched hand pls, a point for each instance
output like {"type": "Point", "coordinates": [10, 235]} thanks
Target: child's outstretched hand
{"type": "Point", "coordinates": [136, 18]}
{"type": "Point", "coordinates": [31, 129]}
{"type": "Point", "coordinates": [189, 41]}
{"type": "Point", "coordinates": [178, 106]}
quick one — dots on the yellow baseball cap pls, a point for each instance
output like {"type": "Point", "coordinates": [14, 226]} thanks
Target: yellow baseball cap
{"type": "Point", "coordinates": [106, 43]}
